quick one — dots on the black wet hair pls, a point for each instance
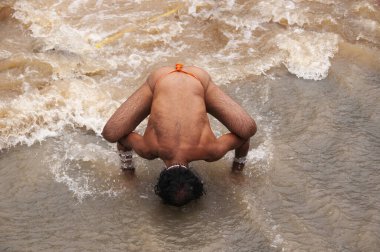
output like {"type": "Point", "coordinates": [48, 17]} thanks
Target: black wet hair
{"type": "Point", "coordinates": [178, 185]}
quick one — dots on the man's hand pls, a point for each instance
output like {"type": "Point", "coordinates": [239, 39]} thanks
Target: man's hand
{"type": "Point", "coordinates": [240, 157]}
{"type": "Point", "coordinates": [229, 142]}
{"type": "Point", "coordinates": [238, 164]}
{"type": "Point", "coordinates": [125, 155]}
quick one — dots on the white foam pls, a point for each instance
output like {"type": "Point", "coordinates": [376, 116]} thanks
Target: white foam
{"type": "Point", "coordinates": [79, 186]}
{"type": "Point", "coordinates": [308, 52]}
{"type": "Point", "coordinates": [320, 1]}
{"type": "Point", "coordinates": [278, 240]}
{"type": "Point", "coordinates": [259, 153]}
{"type": "Point", "coordinates": [100, 2]}
{"type": "Point", "coordinates": [278, 10]}
{"type": "Point", "coordinates": [34, 116]}
{"type": "Point", "coordinates": [50, 26]}
{"type": "Point", "coordinates": [64, 162]}
{"type": "Point", "coordinates": [86, 102]}
{"type": "Point", "coordinates": [366, 29]}
{"type": "Point", "coordinates": [92, 152]}
{"type": "Point", "coordinates": [364, 5]}
{"type": "Point", "coordinates": [5, 54]}
{"type": "Point", "coordinates": [75, 5]}
{"type": "Point", "coordinates": [230, 3]}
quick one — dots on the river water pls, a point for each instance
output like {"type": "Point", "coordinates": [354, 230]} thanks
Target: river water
{"type": "Point", "coordinates": [308, 71]}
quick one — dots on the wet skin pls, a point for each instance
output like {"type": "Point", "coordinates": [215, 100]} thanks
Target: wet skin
{"type": "Point", "coordinates": [178, 129]}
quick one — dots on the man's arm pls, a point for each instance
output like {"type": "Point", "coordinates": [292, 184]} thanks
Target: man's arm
{"type": "Point", "coordinates": [235, 118]}
{"type": "Point", "coordinates": [228, 112]}
{"type": "Point", "coordinates": [125, 145]}
{"type": "Point", "coordinates": [135, 141]}
{"type": "Point", "coordinates": [226, 143]}
{"type": "Point", "coordinates": [240, 156]}
{"type": "Point", "coordinates": [129, 115]}
{"type": "Point", "coordinates": [229, 142]}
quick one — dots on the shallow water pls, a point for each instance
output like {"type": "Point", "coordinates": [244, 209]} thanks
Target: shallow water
{"type": "Point", "coordinates": [306, 70]}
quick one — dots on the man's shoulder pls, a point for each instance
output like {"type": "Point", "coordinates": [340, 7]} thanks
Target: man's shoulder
{"type": "Point", "coordinates": [192, 69]}
{"type": "Point", "coordinates": [157, 73]}
{"type": "Point", "coordinates": [199, 72]}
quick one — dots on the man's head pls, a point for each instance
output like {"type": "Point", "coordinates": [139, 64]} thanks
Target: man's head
{"type": "Point", "coordinates": [177, 185]}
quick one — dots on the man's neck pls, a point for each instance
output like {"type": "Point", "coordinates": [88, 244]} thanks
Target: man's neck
{"type": "Point", "coordinates": [176, 166]}
{"type": "Point", "coordinates": [173, 162]}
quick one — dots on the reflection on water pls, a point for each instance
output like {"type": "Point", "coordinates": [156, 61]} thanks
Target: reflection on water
{"type": "Point", "coordinates": [307, 71]}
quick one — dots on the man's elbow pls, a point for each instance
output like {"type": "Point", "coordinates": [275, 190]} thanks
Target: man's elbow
{"type": "Point", "coordinates": [109, 135]}
{"type": "Point", "coordinates": [253, 128]}
{"type": "Point", "coordinates": [250, 129]}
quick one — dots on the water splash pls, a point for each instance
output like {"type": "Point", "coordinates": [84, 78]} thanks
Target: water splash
{"type": "Point", "coordinates": [87, 169]}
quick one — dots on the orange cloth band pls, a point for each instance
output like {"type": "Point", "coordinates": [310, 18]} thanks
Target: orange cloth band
{"type": "Point", "coordinates": [178, 68]}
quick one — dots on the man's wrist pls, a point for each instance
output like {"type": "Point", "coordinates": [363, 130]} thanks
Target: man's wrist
{"type": "Point", "coordinates": [125, 155]}
{"type": "Point", "coordinates": [240, 160]}
{"type": "Point", "coordinates": [122, 145]}
{"type": "Point", "coordinates": [126, 160]}
{"type": "Point", "coordinates": [239, 163]}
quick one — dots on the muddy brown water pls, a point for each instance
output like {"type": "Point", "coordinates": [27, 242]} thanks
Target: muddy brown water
{"type": "Point", "coordinates": [307, 71]}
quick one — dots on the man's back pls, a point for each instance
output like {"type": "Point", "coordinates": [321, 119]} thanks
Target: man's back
{"type": "Point", "coordinates": [178, 125]}
{"type": "Point", "coordinates": [178, 129]}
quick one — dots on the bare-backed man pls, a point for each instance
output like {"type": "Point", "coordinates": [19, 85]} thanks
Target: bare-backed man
{"type": "Point", "coordinates": [177, 101]}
